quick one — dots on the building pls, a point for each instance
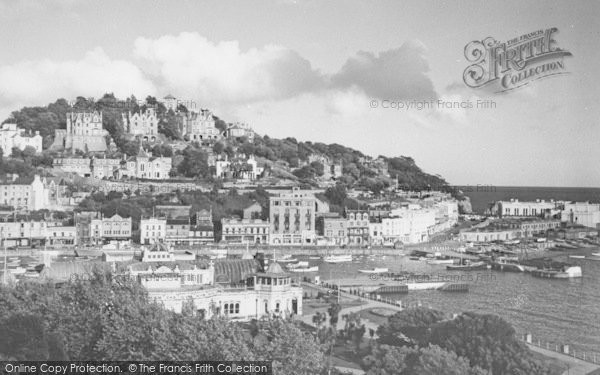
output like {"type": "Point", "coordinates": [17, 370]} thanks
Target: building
{"type": "Point", "coordinates": [22, 232]}
{"type": "Point", "coordinates": [202, 229]}
{"type": "Point", "coordinates": [11, 137]}
{"type": "Point", "coordinates": [245, 231]}
{"type": "Point", "coordinates": [84, 132]}
{"type": "Point", "coordinates": [239, 167]}
{"type": "Point", "coordinates": [331, 169]}
{"type": "Point", "coordinates": [408, 225]}
{"type": "Point", "coordinates": [171, 103]}
{"type": "Point", "coordinates": [146, 166]}
{"type": "Point", "coordinates": [105, 168]}
{"type": "Point", "coordinates": [254, 211]}
{"type": "Point", "coordinates": [24, 193]}
{"type": "Point", "coordinates": [509, 229]}
{"type": "Point", "coordinates": [538, 208]}
{"type": "Point", "coordinates": [581, 213]}
{"type": "Point", "coordinates": [80, 166]}
{"type": "Point", "coordinates": [152, 230]}
{"type": "Point", "coordinates": [110, 230]}
{"type": "Point", "coordinates": [235, 289]}
{"type": "Point", "coordinates": [292, 218]}
{"type": "Point", "coordinates": [333, 229]}
{"type": "Point", "coordinates": [173, 211]}
{"type": "Point", "coordinates": [61, 235]}
{"type": "Point", "coordinates": [143, 124]}
{"type": "Point", "coordinates": [199, 127]}
{"type": "Point", "coordinates": [357, 227]}
{"type": "Point", "coordinates": [239, 129]}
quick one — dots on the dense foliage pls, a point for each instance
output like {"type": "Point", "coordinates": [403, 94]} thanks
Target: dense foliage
{"type": "Point", "coordinates": [107, 319]}
{"type": "Point", "coordinates": [486, 341]}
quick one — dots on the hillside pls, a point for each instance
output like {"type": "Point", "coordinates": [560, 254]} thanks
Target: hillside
{"type": "Point", "coordinates": [283, 158]}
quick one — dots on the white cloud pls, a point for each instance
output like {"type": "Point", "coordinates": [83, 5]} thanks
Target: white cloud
{"type": "Point", "coordinates": [189, 64]}
{"type": "Point", "coordinates": [39, 82]}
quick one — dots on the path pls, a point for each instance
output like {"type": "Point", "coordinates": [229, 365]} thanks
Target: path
{"type": "Point", "coordinates": [576, 366]}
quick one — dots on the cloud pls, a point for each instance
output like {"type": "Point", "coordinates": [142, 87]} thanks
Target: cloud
{"type": "Point", "coordinates": [40, 82]}
{"type": "Point", "coordinates": [397, 74]}
{"type": "Point", "coordinates": [189, 64]}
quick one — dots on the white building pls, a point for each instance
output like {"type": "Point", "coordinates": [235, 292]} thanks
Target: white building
{"type": "Point", "coordinates": [230, 288]}
{"type": "Point", "coordinates": [240, 129]}
{"type": "Point", "coordinates": [199, 127]}
{"type": "Point", "coordinates": [146, 166]}
{"type": "Point", "coordinates": [111, 230]}
{"type": "Point", "coordinates": [152, 230]}
{"type": "Point", "coordinates": [245, 231]}
{"type": "Point", "coordinates": [84, 132]}
{"type": "Point", "coordinates": [11, 136]}
{"type": "Point", "coordinates": [538, 208]}
{"type": "Point", "coordinates": [239, 167]}
{"type": "Point", "coordinates": [24, 193]}
{"type": "Point", "coordinates": [144, 124]}
{"type": "Point", "coordinates": [582, 213]}
{"type": "Point", "coordinates": [408, 225]}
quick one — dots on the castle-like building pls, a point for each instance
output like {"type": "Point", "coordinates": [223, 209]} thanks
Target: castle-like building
{"type": "Point", "coordinates": [199, 127]}
{"type": "Point", "coordinates": [84, 132]}
{"type": "Point", "coordinates": [144, 124]}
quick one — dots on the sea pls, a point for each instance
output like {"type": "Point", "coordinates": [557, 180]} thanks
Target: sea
{"type": "Point", "coordinates": [482, 196]}
{"type": "Point", "coordinates": [555, 312]}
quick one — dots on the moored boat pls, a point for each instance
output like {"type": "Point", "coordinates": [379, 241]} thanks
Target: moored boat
{"type": "Point", "coordinates": [338, 258]}
{"type": "Point", "coordinates": [563, 273]}
{"type": "Point", "coordinates": [305, 269]}
{"type": "Point", "coordinates": [445, 260]}
{"type": "Point", "coordinates": [375, 270]}
{"type": "Point", "coordinates": [508, 265]}
{"type": "Point", "coordinates": [468, 266]}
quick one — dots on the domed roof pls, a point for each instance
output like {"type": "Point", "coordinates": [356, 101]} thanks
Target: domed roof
{"type": "Point", "coordinates": [275, 268]}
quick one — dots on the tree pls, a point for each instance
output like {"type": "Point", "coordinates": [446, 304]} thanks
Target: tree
{"type": "Point", "coordinates": [334, 311]}
{"type": "Point", "coordinates": [408, 325]}
{"type": "Point", "coordinates": [194, 164]}
{"type": "Point", "coordinates": [388, 360]}
{"type": "Point", "coordinates": [487, 341]}
{"type": "Point", "coordinates": [292, 351]}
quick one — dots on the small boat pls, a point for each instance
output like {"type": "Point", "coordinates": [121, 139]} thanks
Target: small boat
{"type": "Point", "coordinates": [375, 270]}
{"type": "Point", "coordinates": [577, 256]}
{"type": "Point", "coordinates": [444, 260]}
{"type": "Point", "coordinates": [468, 266]}
{"type": "Point", "coordinates": [338, 258]}
{"type": "Point", "coordinates": [508, 265]}
{"type": "Point", "coordinates": [305, 269]}
{"type": "Point", "coordinates": [314, 257]}
{"type": "Point", "coordinates": [564, 273]}
{"type": "Point", "coordinates": [297, 265]}
{"type": "Point", "coordinates": [596, 254]}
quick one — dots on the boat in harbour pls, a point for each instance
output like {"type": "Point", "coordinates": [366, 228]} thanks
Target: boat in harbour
{"type": "Point", "coordinates": [467, 265]}
{"type": "Point", "coordinates": [297, 265]}
{"type": "Point", "coordinates": [508, 265]}
{"type": "Point", "coordinates": [305, 269]}
{"type": "Point", "coordinates": [338, 258]}
{"type": "Point", "coordinates": [442, 260]}
{"type": "Point", "coordinates": [563, 273]}
{"type": "Point", "coordinates": [375, 270]}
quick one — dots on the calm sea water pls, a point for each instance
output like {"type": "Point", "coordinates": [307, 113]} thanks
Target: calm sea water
{"type": "Point", "coordinates": [481, 199]}
{"type": "Point", "coordinates": [555, 311]}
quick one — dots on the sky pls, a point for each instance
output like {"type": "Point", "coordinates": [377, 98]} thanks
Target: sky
{"type": "Point", "coordinates": [329, 71]}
